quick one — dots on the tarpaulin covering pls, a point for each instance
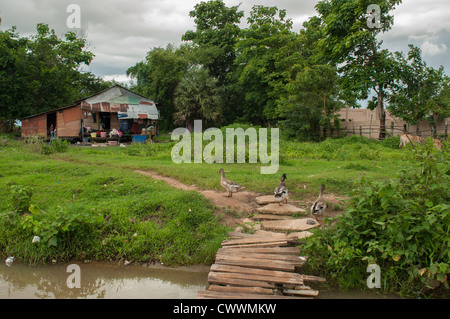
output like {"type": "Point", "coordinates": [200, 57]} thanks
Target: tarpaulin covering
{"type": "Point", "coordinates": [140, 111]}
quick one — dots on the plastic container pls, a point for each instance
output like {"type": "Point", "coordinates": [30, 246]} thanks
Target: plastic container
{"type": "Point", "coordinates": [93, 134]}
{"type": "Point", "coordinates": [103, 134]}
{"type": "Point", "coordinates": [139, 139]}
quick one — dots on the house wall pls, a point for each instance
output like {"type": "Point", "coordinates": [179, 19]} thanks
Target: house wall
{"type": "Point", "coordinates": [35, 126]}
{"type": "Point", "coordinates": [68, 122]}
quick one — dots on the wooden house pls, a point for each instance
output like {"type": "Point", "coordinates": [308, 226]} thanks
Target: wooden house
{"type": "Point", "coordinates": [115, 108]}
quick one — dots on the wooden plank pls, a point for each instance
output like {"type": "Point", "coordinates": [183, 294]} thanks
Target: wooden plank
{"type": "Point", "coordinates": [263, 250]}
{"type": "Point", "coordinates": [251, 240]}
{"type": "Point", "coordinates": [313, 278]}
{"type": "Point", "coordinates": [239, 235]}
{"type": "Point", "coordinates": [297, 278]}
{"type": "Point", "coordinates": [262, 254]}
{"type": "Point", "coordinates": [247, 290]}
{"type": "Point", "coordinates": [218, 279]}
{"type": "Point", "coordinates": [268, 244]}
{"type": "Point", "coordinates": [301, 292]}
{"type": "Point", "coordinates": [207, 294]}
{"type": "Point", "coordinates": [257, 263]}
{"type": "Point", "coordinates": [296, 260]}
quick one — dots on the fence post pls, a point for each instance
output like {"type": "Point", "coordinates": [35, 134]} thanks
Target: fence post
{"type": "Point", "coordinates": [360, 131]}
{"type": "Point", "coordinates": [446, 130]}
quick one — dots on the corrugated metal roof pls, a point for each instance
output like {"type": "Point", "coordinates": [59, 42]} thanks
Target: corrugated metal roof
{"type": "Point", "coordinates": [115, 99]}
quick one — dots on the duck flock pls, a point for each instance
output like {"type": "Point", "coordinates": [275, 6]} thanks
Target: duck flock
{"type": "Point", "coordinates": [280, 194]}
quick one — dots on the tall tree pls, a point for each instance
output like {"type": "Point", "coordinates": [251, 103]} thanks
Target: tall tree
{"type": "Point", "coordinates": [217, 30]}
{"type": "Point", "coordinates": [312, 102]}
{"type": "Point", "coordinates": [197, 97]}
{"type": "Point", "coordinates": [216, 33]}
{"type": "Point", "coordinates": [348, 40]}
{"type": "Point", "coordinates": [42, 72]}
{"type": "Point", "coordinates": [13, 87]}
{"type": "Point", "coordinates": [267, 53]}
{"type": "Point", "coordinates": [419, 91]}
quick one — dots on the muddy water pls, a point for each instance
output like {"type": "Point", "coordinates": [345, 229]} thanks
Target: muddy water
{"type": "Point", "coordinates": [108, 281]}
{"type": "Point", "coordinates": [99, 280]}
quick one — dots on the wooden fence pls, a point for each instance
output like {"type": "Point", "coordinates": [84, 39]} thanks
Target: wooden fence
{"type": "Point", "coordinates": [373, 131]}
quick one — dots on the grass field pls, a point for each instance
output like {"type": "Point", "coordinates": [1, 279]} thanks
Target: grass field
{"type": "Point", "coordinates": [336, 163]}
{"type": "Point", "coordinates": [88, 203]}
{"type": "Point", "coordinates": [98, 212]}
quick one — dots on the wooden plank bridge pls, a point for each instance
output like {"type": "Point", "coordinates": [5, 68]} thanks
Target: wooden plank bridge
{"type": "Point", "coordinates": [263, 265]}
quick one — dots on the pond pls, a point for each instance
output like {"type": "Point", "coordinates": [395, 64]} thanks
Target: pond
{"type": "Point", "coordinates": [101, 280]}
{"type": "Point", "coordinates": [111, 281]}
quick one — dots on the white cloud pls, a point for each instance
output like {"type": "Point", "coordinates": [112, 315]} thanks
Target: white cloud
{"type": "Point", "coordinates": [121, 78]}
{"type": "Point", "coordinates": [430, 49]}
{"type": "Point", "coordinates": [120, 33]}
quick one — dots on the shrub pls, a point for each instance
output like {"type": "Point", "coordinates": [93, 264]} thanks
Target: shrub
{"type": "Point", "coordinates": [20, 198]}
{"type": "Point", "coordinates": [37, 145]}
{"type": "Point", "coordinates": [60, 145]}
{"type": "Point", "coordinates": [402, 225]}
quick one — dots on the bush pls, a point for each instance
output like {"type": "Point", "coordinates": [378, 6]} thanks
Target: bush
{"type": "Point", "coordinates": [402, 225]}
{"type": "Point", "coordinates": [60, 145]}
{"type": "Point", "coordinates": [37, 145]}
{"type": "Point", "coordinates": [20, 198]}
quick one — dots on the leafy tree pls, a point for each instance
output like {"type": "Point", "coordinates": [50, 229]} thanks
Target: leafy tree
{"type": "Point", "coordinates": [312, 103]}
{"type": "Point", "coordinates": [438, 104]}
{"type": "Point", "coordinates": [13, 88]}
{"type": "Point", "coordinates": [419, 90]}
{"type": "Point", "coordinates": [42, 72]}
{"type": "Point", "coordinates": [267, 53]}
{"type": "Point", "coordinates": [348, 41]}
{"type": "Point", "coordinates": [54, 65]}
{"type": "Point", "coordinates": [216, 34]}
{"type": "Point", "coordinates": [197, 97]}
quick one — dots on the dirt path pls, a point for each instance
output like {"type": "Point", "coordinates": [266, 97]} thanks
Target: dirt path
{"type": "Point", "coordinates": [242, 202]}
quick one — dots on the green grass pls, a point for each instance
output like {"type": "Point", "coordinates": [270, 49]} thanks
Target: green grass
{"type": "Point", "coordinates": [338, 163]}
{"type": "Point", "coordinates": [148, 220]}
{"type": "Point", "coordinates": [73, 189]}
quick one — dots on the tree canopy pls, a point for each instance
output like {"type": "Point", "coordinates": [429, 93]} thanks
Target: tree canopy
{"type": "Point", "coordinates": [269, 74]}
{"type": "Point", "coordinates": [262, 73]}
{"type": "Point", "coordinates": [42, 72]}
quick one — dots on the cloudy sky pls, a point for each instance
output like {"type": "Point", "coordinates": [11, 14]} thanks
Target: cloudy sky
{"type": "Point", "coordinates": [120, 33]}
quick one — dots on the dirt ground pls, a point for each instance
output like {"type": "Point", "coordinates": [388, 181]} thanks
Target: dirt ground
{"type": "Point", "coordinates": [235, 209]}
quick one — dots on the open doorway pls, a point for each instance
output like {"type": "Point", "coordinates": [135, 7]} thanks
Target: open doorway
{"type": "Point", "coordinates": [105, 120]}
{"type": "Point", "coordinates": [51, 123]}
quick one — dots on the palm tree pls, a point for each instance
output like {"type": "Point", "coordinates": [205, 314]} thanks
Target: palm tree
{"type": "Point", "coordinates": [197, 97]}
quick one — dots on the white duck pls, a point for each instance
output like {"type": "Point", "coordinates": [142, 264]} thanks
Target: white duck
{"type": "Point", "coordinates": [318, 207]}
{"type": "Point", "coordinates": [230, 186]}
{"type": "Point", "coordinates": [281, 192]}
